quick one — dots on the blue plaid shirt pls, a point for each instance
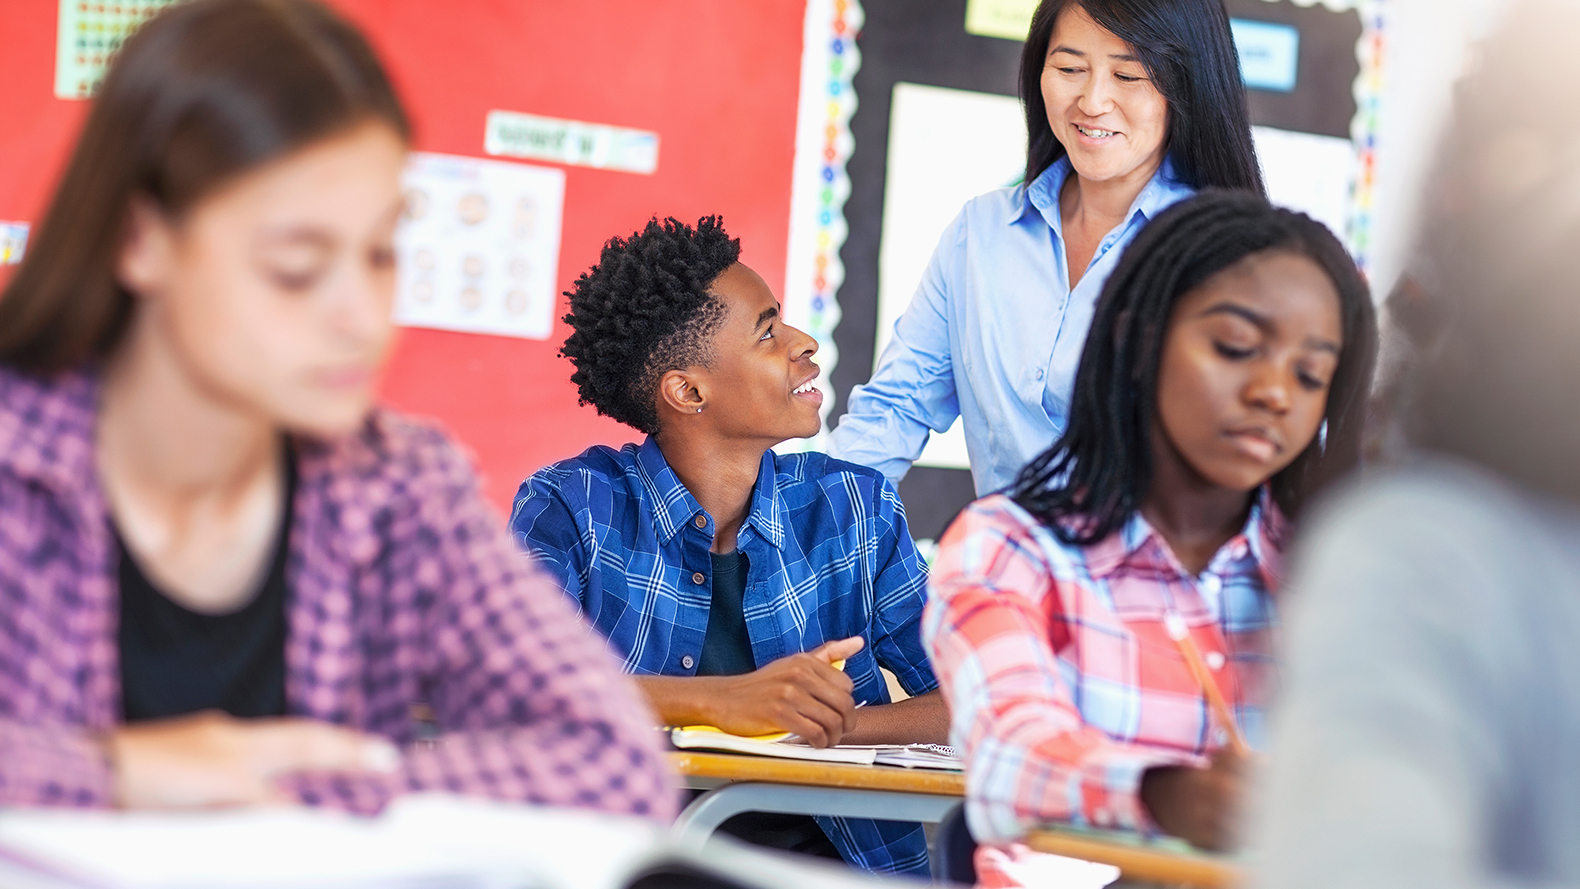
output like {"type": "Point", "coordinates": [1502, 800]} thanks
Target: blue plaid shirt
{"type": "Point", "coordinates": [829, 556]}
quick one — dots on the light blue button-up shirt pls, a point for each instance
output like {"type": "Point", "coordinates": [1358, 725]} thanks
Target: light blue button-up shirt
{"type": "Point", "coordinates": [993, 335]}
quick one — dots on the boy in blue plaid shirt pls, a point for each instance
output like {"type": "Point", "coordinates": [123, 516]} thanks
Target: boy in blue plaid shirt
{"type": "Point", "coordinates": [728, 577]}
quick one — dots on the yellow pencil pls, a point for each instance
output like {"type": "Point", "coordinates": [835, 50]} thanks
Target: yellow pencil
{"type": "Point", "coordinates": [1175, 626]}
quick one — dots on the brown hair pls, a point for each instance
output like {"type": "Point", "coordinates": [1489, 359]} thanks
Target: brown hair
{"type": "Point", "coordinates": [1497, 261]}
{"type": "Point", "coordinates": [201, 93]}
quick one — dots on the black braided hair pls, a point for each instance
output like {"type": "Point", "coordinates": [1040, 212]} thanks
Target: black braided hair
{"type": "Point", "coordinates": [644, 310]}
{"type": "Point", "coordinates": [1096, 475]}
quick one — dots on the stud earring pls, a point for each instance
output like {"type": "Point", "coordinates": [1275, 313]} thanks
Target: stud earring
{"type": "Point", "coordinates": [699, 410]}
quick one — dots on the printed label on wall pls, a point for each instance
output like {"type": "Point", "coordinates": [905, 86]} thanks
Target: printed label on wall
{"type": "Point", "coordinates": [479, 246]}
{"type": "Point", "coordinates": [1269, 54]}
{"type": "Point", "coordinates": [87, 36]}
{"type": "Point", "coordinates": [13, 242]}
{"type": "Point", "coordinates": [1010, 19]}
{"type": "Point", "coordinates": [512, 134]}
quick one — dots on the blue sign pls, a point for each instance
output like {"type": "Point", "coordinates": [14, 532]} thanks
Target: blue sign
{"type": "Point", "coordinates": [1269, 54]}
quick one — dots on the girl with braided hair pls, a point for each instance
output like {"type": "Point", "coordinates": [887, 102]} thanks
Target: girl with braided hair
{"type": "Point", "coordinates": [1222, 385]}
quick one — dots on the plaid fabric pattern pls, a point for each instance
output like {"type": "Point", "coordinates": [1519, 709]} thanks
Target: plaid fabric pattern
{"type": "Point", "coordinates": [829, 557]}
{"type": "Point", "coordinates": [1062, 682]}
{"type": "Point", "coordinates": [403, 588]}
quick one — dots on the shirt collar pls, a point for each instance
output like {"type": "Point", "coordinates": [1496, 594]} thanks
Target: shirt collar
{"type": "Point", "coordinates": [1261, 540]}
{"type": "Point", "coordinates": [674, 507]}
{"type": "Point", "coordinates": [1042, 195]}
{"type": "Point", "coordinates": [46, 433]}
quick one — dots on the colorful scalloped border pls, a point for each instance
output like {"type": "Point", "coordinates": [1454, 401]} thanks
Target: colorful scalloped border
{"type": "Point", "coordinates": [821, 184]}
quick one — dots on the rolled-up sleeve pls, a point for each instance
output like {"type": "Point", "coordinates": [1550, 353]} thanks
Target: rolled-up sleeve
{"type": "Point", "coordinates": [991, 627]}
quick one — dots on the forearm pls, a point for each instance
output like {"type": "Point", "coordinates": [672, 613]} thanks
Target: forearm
{"type": "Point", "coordinates": [683, 700]}
{"type": "Point", "coordinates": [923, 719]}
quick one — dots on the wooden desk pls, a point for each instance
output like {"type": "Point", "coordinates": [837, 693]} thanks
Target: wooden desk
{"type": "Point", "coordinates": [736, 783]}
{"type": "Point", "coordinates": [1139, 861]}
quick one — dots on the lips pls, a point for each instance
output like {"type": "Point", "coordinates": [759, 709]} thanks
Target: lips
{"type": "Point", "coordinates": [808, 390]}
{"type": "Point", "coordinates": [1260, 445]}
{"type": "Point", "coordinates": [1096, 134]}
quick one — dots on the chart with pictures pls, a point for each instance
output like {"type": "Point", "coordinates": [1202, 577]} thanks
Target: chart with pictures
{"type": "Point", "coordinates": [479, 246]}
{"type": "Point", "coordinates": [89, 34]}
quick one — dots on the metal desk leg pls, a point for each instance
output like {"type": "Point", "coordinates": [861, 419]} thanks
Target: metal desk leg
{"type": "Point", "coordinates": [708, 811]}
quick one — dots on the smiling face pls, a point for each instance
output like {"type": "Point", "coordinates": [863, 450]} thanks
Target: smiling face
{"type": "Point", "coordinates": [760, 384]}
{"type": "Point", "coordinates": [1101, 104]}
{"type": "Point", "coordinates": [274, 292]}
{"type": "Point", "coordinates": [1246, 366]}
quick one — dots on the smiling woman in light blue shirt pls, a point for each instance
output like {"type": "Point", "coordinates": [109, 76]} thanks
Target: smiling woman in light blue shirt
{"type": "Point", "coordinates": [1131, 105]}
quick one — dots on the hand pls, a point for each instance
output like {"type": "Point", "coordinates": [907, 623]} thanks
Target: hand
{"type": "Point", "coordinates": [1201, 806]}
{"type": "Point", "coordinates": [802, 693]}
{"type": "Point", "coordinates": [213, 759]}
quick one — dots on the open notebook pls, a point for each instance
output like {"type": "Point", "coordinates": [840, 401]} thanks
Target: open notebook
{"type": "Point", "coordinates": [421, 842]}
{"type": "Point", "coordinates": [788, 746]}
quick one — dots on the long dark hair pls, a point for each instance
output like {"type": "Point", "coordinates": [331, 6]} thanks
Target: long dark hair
{"type": "Point", "coordinates": [1096, 475]}
{"type": "Point", "coordinates": [201, 93]}
{"type": "Point", "coordinates": [1187, 50]}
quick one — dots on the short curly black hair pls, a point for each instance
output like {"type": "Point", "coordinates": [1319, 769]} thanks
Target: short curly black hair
{"type": "Point", "coordinates": [644, 310]}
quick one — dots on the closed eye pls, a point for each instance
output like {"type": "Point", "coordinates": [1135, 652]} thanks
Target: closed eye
{"type": "Point", "coordinates": [1233, 353]}
{"type": "Point", "coordinates": [1310, 382]}
{"type": "Point", "coordinates": [1127, 78]}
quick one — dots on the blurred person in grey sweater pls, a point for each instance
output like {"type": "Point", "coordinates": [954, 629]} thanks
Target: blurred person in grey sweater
{"type": "Point", "coordinates": [1429, 729]}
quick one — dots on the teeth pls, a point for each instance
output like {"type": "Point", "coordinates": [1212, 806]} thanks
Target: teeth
{"type": "Point", "coordinates": [1095, 134]}
{"type": "Point", "coordinates": [804, 388]}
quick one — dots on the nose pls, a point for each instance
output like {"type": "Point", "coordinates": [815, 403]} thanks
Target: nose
{"type": "Point", "coordinates": [1269, 388]}
{"type": "Point", "coordinates": [1095, 98]}
{"type": "Point", "coordinates": [804, 345]}
{"type": "Point", "coordinates": [362, 311]}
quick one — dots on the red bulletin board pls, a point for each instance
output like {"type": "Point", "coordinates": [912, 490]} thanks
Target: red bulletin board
{"type": "Point", "coordinates": [716, 79]}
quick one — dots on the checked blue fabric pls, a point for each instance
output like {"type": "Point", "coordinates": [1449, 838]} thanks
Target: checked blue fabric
{"type": "Point", "coordinates": [829, 554]}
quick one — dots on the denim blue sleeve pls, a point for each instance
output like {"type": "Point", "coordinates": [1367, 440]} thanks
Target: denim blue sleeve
{"type": "Point", "coordinates": [899, 594]}
{"type": "Point", "coordinates": [888, 419]}
{"type": "Point", "coordinates": [543, 523]}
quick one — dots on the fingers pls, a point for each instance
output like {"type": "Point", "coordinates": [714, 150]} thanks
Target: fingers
{"type": "Point", "coordinates": [283, 746]}
{"type": "Point", "coordinates": [838, 649]}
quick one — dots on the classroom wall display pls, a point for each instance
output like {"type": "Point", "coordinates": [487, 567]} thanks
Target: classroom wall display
{"type": "Point", "coordinates": [87, 34]}
{"type": "Point", "coordinates": [1313, 72]}
{"type": "Point", "coordinates": [820, 184]}
{"type": "Point", "coordinates": [479, 247]}
{"type": "Point", "coordinates": [13, 242]}
{"type": "Point", "coordinates": [715, 83]}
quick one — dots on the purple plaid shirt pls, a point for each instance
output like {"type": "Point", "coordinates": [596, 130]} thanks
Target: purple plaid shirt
{"type": "Point", "coordinates": [404, 588]}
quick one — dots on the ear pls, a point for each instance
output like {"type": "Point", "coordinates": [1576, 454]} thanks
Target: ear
{"type": "Point", "coordinates": [681, 392]}
{"type": "Point", "coordinates": [147, 249]}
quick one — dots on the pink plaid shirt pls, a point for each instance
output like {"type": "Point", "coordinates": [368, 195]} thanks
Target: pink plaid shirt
{"type": "Point", "coordinates": [404, 588]}
{"type": "Point", "coordinates": [1063, 684]}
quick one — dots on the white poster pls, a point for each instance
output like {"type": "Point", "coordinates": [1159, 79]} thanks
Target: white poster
{"type": "Point", "coordinates": [946, 147]}
{"type": "Point", "coordinates": [1310, 173]}
{"type": "Point", "coordinates": [479, 246]}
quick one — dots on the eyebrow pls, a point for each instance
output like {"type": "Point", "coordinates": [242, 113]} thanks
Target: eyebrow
{"type": "Point", "coordinates": [1116, 56]}
{"type": "Point", "coordinates": [767, 315]}
{"type": "Point", "coordinates": [1265, 325]}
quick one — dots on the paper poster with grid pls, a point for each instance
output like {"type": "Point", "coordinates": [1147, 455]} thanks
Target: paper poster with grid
{"type": "Point", "coordinates": [479, 246]}
{"type": "Point", "coordinates": [87, 36]}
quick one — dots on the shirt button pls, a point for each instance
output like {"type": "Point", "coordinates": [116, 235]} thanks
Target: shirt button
{"type": "Point", "coordinates": [1039, 373]}
{"type": "Point", "coordinates": [1211, 584]}
{"type": "Point", "coordinates": [687, 661]}
{"type": "Point", "coordinates": [697, 577]}
{"type": "Point", "coordinates": [702, 521]}
{"type": "Point", "coordinates": [1215, 660]}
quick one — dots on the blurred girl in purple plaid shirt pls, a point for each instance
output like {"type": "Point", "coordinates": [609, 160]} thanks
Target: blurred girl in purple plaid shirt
{"type": "Point", "coordinates": [225, 576]}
